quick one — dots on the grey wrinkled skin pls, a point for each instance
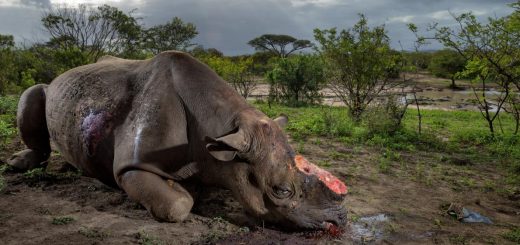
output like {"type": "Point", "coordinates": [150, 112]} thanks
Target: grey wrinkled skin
{"type": "Point", "coordinates": [147, 126]}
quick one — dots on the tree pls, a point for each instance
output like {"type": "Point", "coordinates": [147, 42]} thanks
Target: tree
{"type": "Point", "coordinates": [277, 44]}
{"type": "Point", "coordinates": [492, 52]}
{"type": "Point", "coordinates": [100, 30]}
{"type": "Point", "coordinates": [296, 80]}
{"type": "Point", "coordinates": [358, 63]}
{"type": "Point", "coordinates": [200, 52]}
{"type": "Point", "coordinates": [446, 64]}
{"type": "Point", "coordinates": [174, 35]}
{"type": "Point", "coordinates": [420, 59]}
{"type": "Point", "coordinates": [238, 73]}
{"type": "Point", "coordinates": [7, 58]}
{"type": "Point", "coordinates": [6, 41]}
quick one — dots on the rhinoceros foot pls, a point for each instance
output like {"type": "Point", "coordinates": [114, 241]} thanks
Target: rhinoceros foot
{"type": "Point", "coordinates": [166, 200]}
{"type": "Point", "coordinates": [27, 159]}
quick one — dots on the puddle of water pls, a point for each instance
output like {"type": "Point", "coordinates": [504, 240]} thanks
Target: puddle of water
{"type": "Point", "coordinates": [368, 228]}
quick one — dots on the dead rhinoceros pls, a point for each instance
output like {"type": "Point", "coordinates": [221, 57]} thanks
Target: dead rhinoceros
{"type": "Point", "coordinates": [147, 126]}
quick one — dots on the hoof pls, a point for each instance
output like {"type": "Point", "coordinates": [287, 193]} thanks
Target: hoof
{"type": "Point", "coordinates": [27, 160]}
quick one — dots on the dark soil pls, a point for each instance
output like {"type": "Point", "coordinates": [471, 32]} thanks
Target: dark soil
{"type": "Point", "coordinates": [62, 207]}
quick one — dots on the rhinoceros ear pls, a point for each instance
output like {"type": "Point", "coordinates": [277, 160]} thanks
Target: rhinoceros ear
{"type": "Point", "coordinates": [282, 120]}
{"type": "Point", "coordinates": [225, 148]}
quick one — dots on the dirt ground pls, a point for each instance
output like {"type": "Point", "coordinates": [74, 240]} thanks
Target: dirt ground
{"type": "Point", "coordinates": [404, 204]}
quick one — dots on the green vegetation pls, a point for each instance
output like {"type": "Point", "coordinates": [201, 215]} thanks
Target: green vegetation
{"type": "Point", "coordinates": [452, 132]}
{"type": "Point", "coordinates": [296, 80]}
{"type": "Point", "coordinates": [238, 72]}
{"type": "Point", "coordinates": [80, 35]}
{"type": "Point", "coordinates": [94, 233]}
{"type": "Point", "coordinates": [277, 44]}
{"type": "Point", "coordinates": [8, 106]}
{"type": "Point", "coordinates": [8, 131]}
{"type": "Point", "coordinates": [174, 35]}
{"type": "Point", "coordinates": [491, 53]}
{"type": "Point", "coordinates": [513, 235]}
{"type": "Point", "coordinates": [62, 220]}
{"type": "Point", "coordinates": [146, 239]}
{"type": "Point", "coordinates": [39, 175]}
{"type": "Point", "coordinates": [446, 64]}
{"type": "Point", "coordinates": [358, 63]}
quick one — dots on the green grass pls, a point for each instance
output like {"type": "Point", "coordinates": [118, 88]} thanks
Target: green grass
{"type": "Point", "coordinates": [8, 105]}
{"type": "Point", "coordinates": [93, 233]}
{"type": "Point", "coordinates": [513, 235]}
{"type": "Point", "coordinates": [449, 132]}
{"type": "Point", "coordinates": [438, 127]}
{"type": "Point", "coordinates": [146, 239]}
{"type": "Point", "coordinates": [63, 220]}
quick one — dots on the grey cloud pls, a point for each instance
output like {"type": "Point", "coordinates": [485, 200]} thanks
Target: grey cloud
{"type": "Point", "coordinates": [229, 24]}
{"type": "Point", "coordinates": [37, 3]}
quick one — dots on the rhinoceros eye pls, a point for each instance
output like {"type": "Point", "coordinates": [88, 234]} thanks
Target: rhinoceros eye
{"type": "Point", "coordinates": [282, 191]}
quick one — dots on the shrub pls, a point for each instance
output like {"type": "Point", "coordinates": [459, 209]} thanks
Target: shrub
{"type": "Point", "coordinates": [513, 235]}
{"type": "Point", "coordinates": [296, 80]}
{"type": "Point", "coordinates": [8, 106]}
{"type": "Point", "coordinates": [385, 117]}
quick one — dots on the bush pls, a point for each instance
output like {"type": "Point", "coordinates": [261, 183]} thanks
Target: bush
{"type": "Point", "coordinates": [513, 235]}
{"type": "Point", "coordinates": [385, 117]}
{"type": "Point", "coordinates": [8, 105]}
{"type": "Point", "coordinates": [296, 80]}
{"type": "Point", "coordinates": [237, 72]}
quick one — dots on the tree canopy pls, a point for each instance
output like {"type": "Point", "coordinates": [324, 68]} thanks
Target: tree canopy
{"type": "Point", "coordinates": [278, 44]}
{"type": "Point", "coordinates": [93, 30]}
{"type": "Point", "coordinates": [447, 63]}
{"type": "Point", "coordinates": [358, 62]}
{"type": "Point", "coordinates": [492, 52]}
{"type": "Point", "coordinates": [296, 80]}
{"type": "Point", "coordinates": [174, 35]}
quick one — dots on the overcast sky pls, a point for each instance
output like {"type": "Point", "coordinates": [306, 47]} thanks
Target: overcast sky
{"type": "Point", "coordinates": [229, 24]}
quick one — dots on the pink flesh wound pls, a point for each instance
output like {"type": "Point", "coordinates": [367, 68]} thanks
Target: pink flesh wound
{"type": "Point", "coordinates": [333, 183]}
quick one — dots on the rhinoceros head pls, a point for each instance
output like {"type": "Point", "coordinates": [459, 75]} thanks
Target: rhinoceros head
{"type": "Point", "coordinates": [275, 184]}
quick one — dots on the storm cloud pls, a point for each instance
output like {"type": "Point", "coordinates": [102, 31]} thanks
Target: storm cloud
{"type": "Point", "coordinates": [229, 24]}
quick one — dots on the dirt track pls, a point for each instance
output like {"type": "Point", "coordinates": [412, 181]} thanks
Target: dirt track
{"type": "Point", "coordinates": [64, 208]}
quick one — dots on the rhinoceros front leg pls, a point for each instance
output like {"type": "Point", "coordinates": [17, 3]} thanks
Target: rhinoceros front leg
{"type": "Point", "coordinates": [166, 200]}
{"type": "Point", "coordinates": [149, 147]}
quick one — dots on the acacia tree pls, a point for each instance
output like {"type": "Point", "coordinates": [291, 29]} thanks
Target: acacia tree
{"type": "Point", "coordinates": [278, 44]}
{"type": "Point", "coordinates": [493, 54]}
{"type": "Point", "coordinates": [174, 35]}
{"type": "Point", "coordinates": [358, 63]}
{"type": "Point", "coordinates": [93, 30]}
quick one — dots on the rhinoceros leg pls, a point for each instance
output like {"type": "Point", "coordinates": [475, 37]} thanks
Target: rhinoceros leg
{"type": "Point", "coordinates": [33, 130]}
{"type": "Point", "coordinates": [166, 200]}
{"type": "Point", "coordinates": [150, 147]}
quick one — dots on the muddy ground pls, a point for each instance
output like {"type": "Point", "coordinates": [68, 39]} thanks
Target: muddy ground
{"type": "Point", "coordinates": [432, 93]}
{"type": "Point", "coordinates": [404, 203]}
